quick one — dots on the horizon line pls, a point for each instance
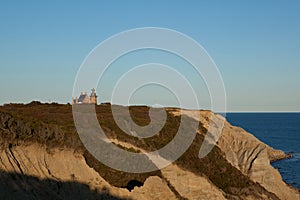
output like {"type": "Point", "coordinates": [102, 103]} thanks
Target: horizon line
{"type": "Point", "coordinates": [220, 112]}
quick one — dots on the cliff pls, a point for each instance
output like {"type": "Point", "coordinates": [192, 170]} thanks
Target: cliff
{"type": "Point", "coordinates": [251, 156]}
{"type": "Point", "coordinates": [42, 157]}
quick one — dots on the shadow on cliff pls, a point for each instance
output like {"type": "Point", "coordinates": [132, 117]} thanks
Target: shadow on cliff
{"type": "Point", "coordinates": [18, 186]}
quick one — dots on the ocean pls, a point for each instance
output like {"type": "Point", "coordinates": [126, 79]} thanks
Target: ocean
{"type": "Point", "coordinates": [280, 131]}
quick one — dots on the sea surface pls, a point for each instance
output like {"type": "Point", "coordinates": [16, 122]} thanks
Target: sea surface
{"type": "Point", "coordinates": [280, 131]}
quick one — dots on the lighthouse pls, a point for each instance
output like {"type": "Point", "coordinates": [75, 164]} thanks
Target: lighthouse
{"type": "Point", "coordinates": [84, 98]}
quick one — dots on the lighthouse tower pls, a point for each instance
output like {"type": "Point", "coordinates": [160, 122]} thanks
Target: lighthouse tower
{"type": "Point", "coordinates": [93, 97]}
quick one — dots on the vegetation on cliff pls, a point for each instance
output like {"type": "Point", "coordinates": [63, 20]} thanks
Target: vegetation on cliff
{"type": "Point", "coordinates": [52, 125]}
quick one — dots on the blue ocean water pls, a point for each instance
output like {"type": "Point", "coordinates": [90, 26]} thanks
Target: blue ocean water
{"type": "Point", "coordinates": [279, 130]}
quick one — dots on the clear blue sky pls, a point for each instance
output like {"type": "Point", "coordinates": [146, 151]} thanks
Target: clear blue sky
{"type": "Point", "coordinates": [255, 44]}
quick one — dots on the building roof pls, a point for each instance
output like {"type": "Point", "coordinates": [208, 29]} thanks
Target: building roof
{"type": "Point", "coordinates": [82, 97]}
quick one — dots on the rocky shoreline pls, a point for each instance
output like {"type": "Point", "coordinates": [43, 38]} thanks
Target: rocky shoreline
{"type": "Point", "coordinates": [286, 156]}
{"type": "Point", "coordinates": [280, 155]}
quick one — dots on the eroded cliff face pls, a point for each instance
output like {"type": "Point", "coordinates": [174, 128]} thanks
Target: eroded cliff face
{"type": "Point", "coordinates": [245, 152]}
{"type": "Point", "coordinates": [40, 161]}
{"type": "Point", "coordinates": [63, 165]}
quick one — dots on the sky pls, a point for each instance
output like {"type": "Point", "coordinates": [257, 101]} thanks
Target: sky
{"type": "Point", "coordinates": [255, 45]}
